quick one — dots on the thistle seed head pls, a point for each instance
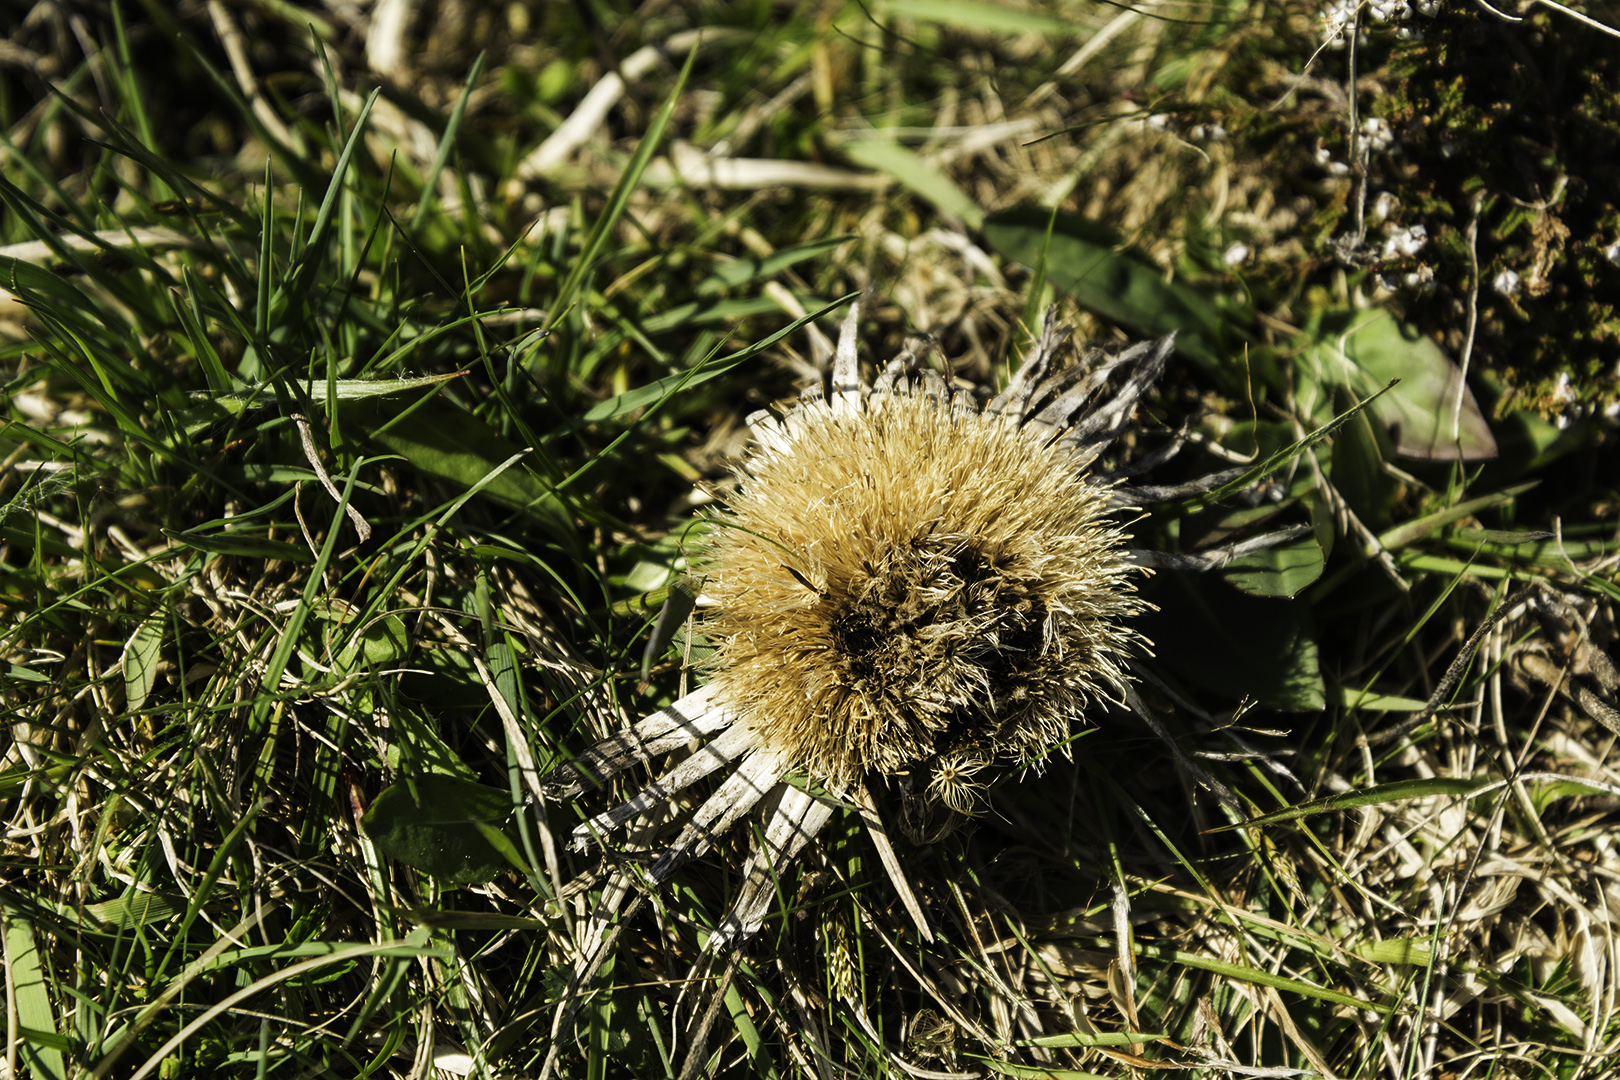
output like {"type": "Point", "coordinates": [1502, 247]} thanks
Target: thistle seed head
{"type": "Point", "coordinates": [907, 586]}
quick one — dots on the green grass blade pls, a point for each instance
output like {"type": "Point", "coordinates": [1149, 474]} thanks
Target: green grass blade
{"type": "Point", "coordinates": [917, 173]}
{"type": "Point", "coordinates": [447, 143]}
{"type": "Point", "coordinates": [291, 634]}
{"type": "Point", "coordinates": [585, 262]}
{"type": "Point", "coordinates": [1355, 800]}
{"type": "Point", "coordinates": [39, 1044]}
{"type": "Point", "coordinates": [1288, 453]}
{"type": "Point", "coordinates": [1244, 973]}
{"type": "Point", "coordinates": [315, 250]}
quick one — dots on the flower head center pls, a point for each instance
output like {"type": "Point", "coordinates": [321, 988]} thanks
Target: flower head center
{"type": "Point", "coordinates": [942, 631]}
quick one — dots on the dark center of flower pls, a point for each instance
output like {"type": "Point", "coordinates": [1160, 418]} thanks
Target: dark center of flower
{"type": "Point", "coordinates": [944, 635]}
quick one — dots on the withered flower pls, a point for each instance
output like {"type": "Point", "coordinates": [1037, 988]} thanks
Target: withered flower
{"type": "Point", "coordinates": [910, 584]}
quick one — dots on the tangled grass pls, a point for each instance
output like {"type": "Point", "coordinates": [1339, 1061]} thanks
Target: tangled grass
{"type": "Point", "coordinates": [364, 368]}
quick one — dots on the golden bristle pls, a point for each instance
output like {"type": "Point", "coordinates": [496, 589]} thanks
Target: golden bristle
{"type": "Point", "coordinates": [911, 582]}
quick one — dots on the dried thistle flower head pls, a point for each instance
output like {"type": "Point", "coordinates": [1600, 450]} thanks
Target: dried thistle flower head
{"type": "Point", "coordinates": [909, 582]}
{"type": "Point", "coordinates": [909, 586]}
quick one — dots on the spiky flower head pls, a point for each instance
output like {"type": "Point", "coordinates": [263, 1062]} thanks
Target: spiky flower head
{"type": "Point", "coordinates": [907, 584]}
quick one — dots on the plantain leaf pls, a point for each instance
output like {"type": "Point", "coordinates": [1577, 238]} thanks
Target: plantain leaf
{"type": "Point", "coordinates": [432, 823]}
{"type": "Point", "coordinates": [1234, 644]}
{"type": "Point", "coordinates": [383, 641]}
{"type": "Point", "coordinates": [1282, 571]}
{"type": "Point", "coordinates": [1081, 257]}
{"type": "Point", "coordinates": [1363, 350]}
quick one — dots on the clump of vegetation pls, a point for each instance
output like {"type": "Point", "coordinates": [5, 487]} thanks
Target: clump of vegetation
{"type": "Point", "coordinates": [364, 369]}
{"type": "Point", "coordinates": [1509, 136]}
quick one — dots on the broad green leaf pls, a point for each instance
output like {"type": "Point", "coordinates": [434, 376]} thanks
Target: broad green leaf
{"type": "Point", "coordinates": [1235, 644]}
{"type": "Point", "coordinates": [442, 439]}
{"type": "Point", "coordinates": [917, 173]}
{"type": "Point", "coordinates": [39, 1045]}
{"type": "Point", "coordinates": [142, 652]}
{"type": "Point", "coordinates": [1529, 444]}
{"type": "Point", "coordinates": [23, 674]}
{"type": "Point", "coordinates": [418, 747]}
{"type": "Point", "coordinates": [504, 847]}
{"type": "Point", "coordinates": [383, 641]}
{"type": "Point", "coordinates": [679, 600]}
{"type": "Point", "coordinates": [1082, 259]}
{"type": "Point", "coordinates": [431, 823]}
{"type": "Point", "coordinates": [1363, 350]}
{"type": "Point", "coordinates": [1358, 465]}
{"type": "Point", "coordinates": [1281, 571]}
